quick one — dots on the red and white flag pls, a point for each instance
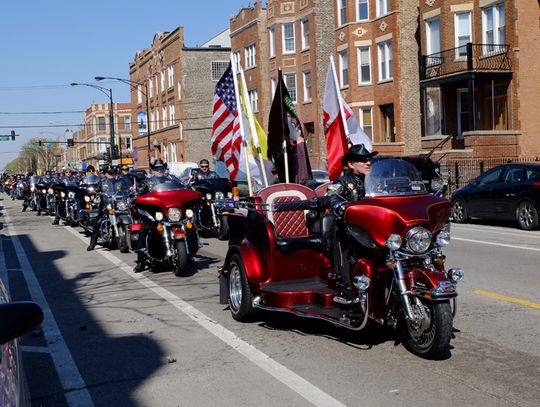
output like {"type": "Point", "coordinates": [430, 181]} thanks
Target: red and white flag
{"type": "Point", "coordinates": [226, 135]}
{"type": "Point", "coordinates": [338, 132]}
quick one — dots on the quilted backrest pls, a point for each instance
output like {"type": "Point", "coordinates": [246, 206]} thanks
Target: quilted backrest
{"type": "Point", "coordinates": [286, 223]}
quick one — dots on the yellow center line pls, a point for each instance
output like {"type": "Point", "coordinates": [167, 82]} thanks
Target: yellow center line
{"type": "Point", "coordinates": [507, 298]}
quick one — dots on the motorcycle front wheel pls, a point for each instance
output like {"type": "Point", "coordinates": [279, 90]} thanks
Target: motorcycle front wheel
{"type": "Point", "coordinates": [123, 245]}
{"type": "Point", "coordinates": [429, 338]}
{"type": "Point", "coordinates": [240, 297]}
{"type": "Point", "coordinates": [180, 263]}
{"type": "Point", "coordinates": [223, 231]}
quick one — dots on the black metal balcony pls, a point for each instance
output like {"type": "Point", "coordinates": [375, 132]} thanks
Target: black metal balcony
{"type": "Point", "coordinates": [467, 58]}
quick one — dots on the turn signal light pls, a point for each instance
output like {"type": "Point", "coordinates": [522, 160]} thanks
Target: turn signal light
{"type": "Point", "coordinates": [159, 227]}
{"type": "Point", "coordinates": [189, 225]}
{"type": "Point", "coordinates": [87, 206]}
{"type": "Point", "coordinates": [110, 211]}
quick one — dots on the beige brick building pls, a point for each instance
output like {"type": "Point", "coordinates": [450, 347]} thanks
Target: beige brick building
{"type": "Point", "coordinates": [175, 93]}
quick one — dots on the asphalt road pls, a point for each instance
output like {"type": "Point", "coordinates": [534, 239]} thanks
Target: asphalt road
{"type": "Point", "coordinates": [114, 338]}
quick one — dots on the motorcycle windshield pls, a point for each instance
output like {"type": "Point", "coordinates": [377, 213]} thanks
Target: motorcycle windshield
{"type": "Point", "coordinates": [214, 184]}
{"type": "Point", "coordinates": [393, 177]}
{"type": "Point", "coordinates": [168, 186]}
{"type": "Point", "coordinates": [34, 179]}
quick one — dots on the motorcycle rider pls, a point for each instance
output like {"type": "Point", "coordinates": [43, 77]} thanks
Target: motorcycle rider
{"type": "Point", "coordinates": [107, 185]}
{"type": "Point", "coordinates": [357, 162]}
{"type": "Point", "coordinates": [65, 179]}
{"type": "Point", "coordinates": [124, 178]}
{"type": "Point", "coordinates": [204, 171]}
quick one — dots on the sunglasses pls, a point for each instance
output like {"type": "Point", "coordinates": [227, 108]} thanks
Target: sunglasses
{"type": "Point", "coordinates": [204, 166]}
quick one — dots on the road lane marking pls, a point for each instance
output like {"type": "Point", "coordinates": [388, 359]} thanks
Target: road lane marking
{"type": "Point", "coordinates": [295, 382]}
{"type": "Point", "coordinates": [72, 382]}
{"type": "Point", "coordinates": [511, 246]}
{"type": "Point", "coordinates": [506, 298]}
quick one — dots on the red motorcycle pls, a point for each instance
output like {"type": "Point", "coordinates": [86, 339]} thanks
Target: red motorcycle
{"type": "Point", "coordinates": [284, 247]}
{"type": "Point", "coordinates": [163, 226]}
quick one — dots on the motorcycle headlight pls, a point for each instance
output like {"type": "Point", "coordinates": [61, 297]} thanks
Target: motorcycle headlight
{"type": "Point", "coordinates": [20, 186]}
{"type": "Point", "coordinates": [159, 216]}
{"type": "Point", "coordinates": [86, 198]}
{"type": "Point", "coordinates": [219, 195]}
{"type": "Point", "coordinates": [393, 242]}
{"type": "Point", "coordinates": [208, 196]}
{"type": "Point", "coordinates": [63, 194]}
{"type": "Point", "coordinates": [50, 191]}
{"type": "Point", "coordinates": [121, 205]}
{"type": "Point", "coordinates": [43, 191]}
{"type": "Point", "coordinates": [189, 213]}
{"type": "Point", "coordinates": [71, 195]}
{"type": "Point", "coordinates": [174, 214]}
{"type": "Point", "coordinates": [436, 184]}
{"type": "Point", "coordinates": [418, 239]}
{"type": "Point", "coordinates": [32, 189]}
{"type": "Point", "coordinates": [443, 237]}
{"type": "Point", "coordinates": [229, 195]}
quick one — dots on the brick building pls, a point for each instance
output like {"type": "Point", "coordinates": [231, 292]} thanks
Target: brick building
{"type": "Point", "coordinates": [174, 95]}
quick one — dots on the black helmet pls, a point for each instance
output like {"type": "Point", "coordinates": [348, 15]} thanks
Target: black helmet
{"type": "Point", "coordinates": [158, 164]}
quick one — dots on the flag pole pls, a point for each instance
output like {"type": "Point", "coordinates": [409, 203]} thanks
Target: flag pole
{"type": "Point", "coordinates": [285, 154]}
{"type": "Point", "coordinates": [341, 110]}
{"type": "Point", "coordinates": [254, 135]}
{"type": "Point", "coordinates": [242, 131]}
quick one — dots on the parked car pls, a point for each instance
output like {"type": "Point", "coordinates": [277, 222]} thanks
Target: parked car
{"type": "Point", "coordinates": [506, 192]}
{"type": "Point", "coordinates": [16, 318]}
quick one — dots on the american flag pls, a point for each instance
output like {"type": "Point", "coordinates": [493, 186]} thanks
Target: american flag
{"type": "Point", "coordinates": [226, 136]}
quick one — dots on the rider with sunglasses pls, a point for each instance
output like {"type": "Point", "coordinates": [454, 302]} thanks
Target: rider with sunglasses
{"type": "Point", "coordinates": [204, 171]}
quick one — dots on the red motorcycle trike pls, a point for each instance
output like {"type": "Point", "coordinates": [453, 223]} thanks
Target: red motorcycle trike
{"type": "Point", "coordinates": [286, 246]}
{"type": "Point", "coordinates": [163, 226]}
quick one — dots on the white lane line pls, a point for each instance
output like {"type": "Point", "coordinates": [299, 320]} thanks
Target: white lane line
{"type": "Point", "coordinates": [72, 382]}
{"type": "Point", "coordinates": [497, 244]}
{"type": "Point", "coordinates": [493, 230]}
{"type": "Point", "coordinates": [296, 383]}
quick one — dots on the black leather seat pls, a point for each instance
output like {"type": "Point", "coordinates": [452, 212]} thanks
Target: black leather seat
{"type": "Point", "coordinates": [287, 245]}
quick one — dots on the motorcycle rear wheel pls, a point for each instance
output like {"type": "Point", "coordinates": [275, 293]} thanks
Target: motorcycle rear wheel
{"type": "Point", "coordinates": [434, 340]}
{"type": "Point", "coordinates": [180, 263]}
{"type": "Point", "coordinates": [240, 296]}
{"type": "Point", "coordinates": [123, 245]}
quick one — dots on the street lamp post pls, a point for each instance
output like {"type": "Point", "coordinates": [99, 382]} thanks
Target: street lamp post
{"type": "Point", "coordinates": [134, 85]}
{"type": "Point", "coordinates": [108, 93]}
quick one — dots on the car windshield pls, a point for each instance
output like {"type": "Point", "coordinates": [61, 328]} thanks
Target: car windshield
{"type": "Point", "coordinates": [391, 176]}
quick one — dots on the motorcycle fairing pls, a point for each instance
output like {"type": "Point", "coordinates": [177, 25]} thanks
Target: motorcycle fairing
{"type": "Point", "coordinates": [380, 215]}
{"type": "Point", "coordinates": [168, 199]}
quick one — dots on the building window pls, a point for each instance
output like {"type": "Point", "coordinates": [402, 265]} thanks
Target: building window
{"type": "Point", "coordinates": [101, 123]}
{"type": "Point", "coordinates": [139, 93]}
{"type": "Point", "coordinates": [103, 144]}
{"type": "Point", "coordinates": [162, 77]}
{"type": "Point", "coordinates": [366, 121]}
{"type": "Point", "coordinates": [179, 90]}
{"type": "Point", "coordinates": [127, 143]}
{"type": "Point", "coordinates": [170, 75]}
{"type": "Point", "coordinates": [288, 38]}
{"type": "Point", "coordinates": [383, 7]}
{"type": "Point", "coordinates": [250, 54]}
{"type": "Point", "coordinates": [342, 12]}
{"type": "Point", "coordinates": [152, 122]}
{"type": "Point", "coordinates": [127, 122]}
{"type": "Point", "coordinates": [236, 61]}
{"type": "Point", "coordinates": [433, 41]}
{"type": "Point", "coordinates": [158, 123]}
{"type": "Point", "coordinates": [493, 28]}
{"type": "Point", "coordinates": [173, 152]}
{"type": "Point", "coordinates": [156, 84]}
{"type": "Point", "coordinates": [218, 68]}
{"type": "Point", "coordinates": [432, 111]}
{"type": "Point", "coordinates": [164, 116]}
{"type": "Point", "coordinates": [343, 69]}
{"type": "Point", "coordinates": [385, 61]}
{"type": "Point", "coordinates": [151, 88]}
{"type": "Point", "coordinates": [463, 33]}
{"type": "Point", "coordinates": [272, 41]}
{"type": "Point", "coordinates": [387, 123]}
{"type": "Point", "coordinates": [273, 85]}
{"type": "Point", "coordinates": [362, 10]}
{"type": "Point", "coordinates": [172, 114]}
{"type": "Point", "coordinates": [254, 100]}
{"type": "Point", "coordinates": [290, 82]}
{"type": "Point", "coordinates": [305, 34]}
{"type": "Point", "coordinates": [165, 152]}
{"type": "Point", "coordinates": [307, 86]}
{"type": "Point", "coordinates": [364, 65]}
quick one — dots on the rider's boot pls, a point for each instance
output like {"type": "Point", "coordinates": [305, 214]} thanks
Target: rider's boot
{"type": "Point", "coordinates": [24, 207]}
{"type": "Point", "coordinates": [141, 262]}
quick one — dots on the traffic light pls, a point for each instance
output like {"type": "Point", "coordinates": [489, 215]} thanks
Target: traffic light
{"type": "Point", "coordinates": [69, 142]}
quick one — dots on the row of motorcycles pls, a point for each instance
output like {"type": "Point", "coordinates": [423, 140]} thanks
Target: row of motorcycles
{"type": "Point", "coordinates": [292, 247]}
{"type": "Point", "coordinates": [164, 223]}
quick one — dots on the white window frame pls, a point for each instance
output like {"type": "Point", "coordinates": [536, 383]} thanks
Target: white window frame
{"type": "Point", "coordinates": [174, 157]}
{"type": "Point", "coordinates": [151, 88]}
{"type": "Point", "coordinates": [343, 58]}
{"type": "Point", "coordinates": [382, 7]}
{"type": "Point", "coordinates": [304, 29]}
{"type": "Point", "coordinates": [284, 38]}
{"type": "Point", "coordinates": [236, 61]}
{"type": "Point", "coordinates": [170, 75]}
{"type": "Point", "coordinates": [288, 78]}
{"type": "Point", "coordinates": [162, 78]}
{"type": "Point", "coordinates": [341, 12]}
{"type": "Point", "coordinates": [366, 49]}
{"type": "Point", "coordinates": [273, 84]}
{"type": "Point", "coordinates": [461, 50]}
{"type": "Point", "coordinates": [497, 11]}
{"type": "Point", "coordinates": [164, 116]}
{"type": "Point", "coordinates": [172, 114]}
{"type": "Point", "coordinates": [103, 144]}
{"type": "Point", "coordinates": [358, 10]}
{"type": "Point", "coordinates": [250, 54]}
{"type": "Point", "coordinates": [306, 80]}
{"type": "Point", "coordinates": [361, 118]}
{"type": "Point", "coordinates": [385, 57]}
{"type": "Point", "coordinates": [158, 122]}
{"type": "Point", "coordinates": [253, 97]}
{"type": "Point", "coordinates": [179, 90]}
{"type": "Point", "coordinates": [433, 47]}
{"type": "Point", "coordinates": [272, 41]}
{"type": "Point", "coordinates": [127, 122]}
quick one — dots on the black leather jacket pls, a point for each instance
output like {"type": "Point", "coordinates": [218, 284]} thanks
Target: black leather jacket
{"type": "Point", "coordinates": [353, 186]}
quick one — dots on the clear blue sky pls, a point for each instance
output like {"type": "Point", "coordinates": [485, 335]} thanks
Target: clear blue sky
{"type": "Point", "coordinates": [46, 45]}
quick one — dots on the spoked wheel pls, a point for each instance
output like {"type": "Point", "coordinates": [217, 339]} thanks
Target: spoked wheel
{"type": "Point", "coordinates": [459, 212]}
{"type": "Point", "coordinates": [240, 294]}
{"type": "Point", "coordinates": [181, 260]}
{"type": "Point", "coordinates": [527, 216]}
{"type": "Point", "coordinates": [429, 336]}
